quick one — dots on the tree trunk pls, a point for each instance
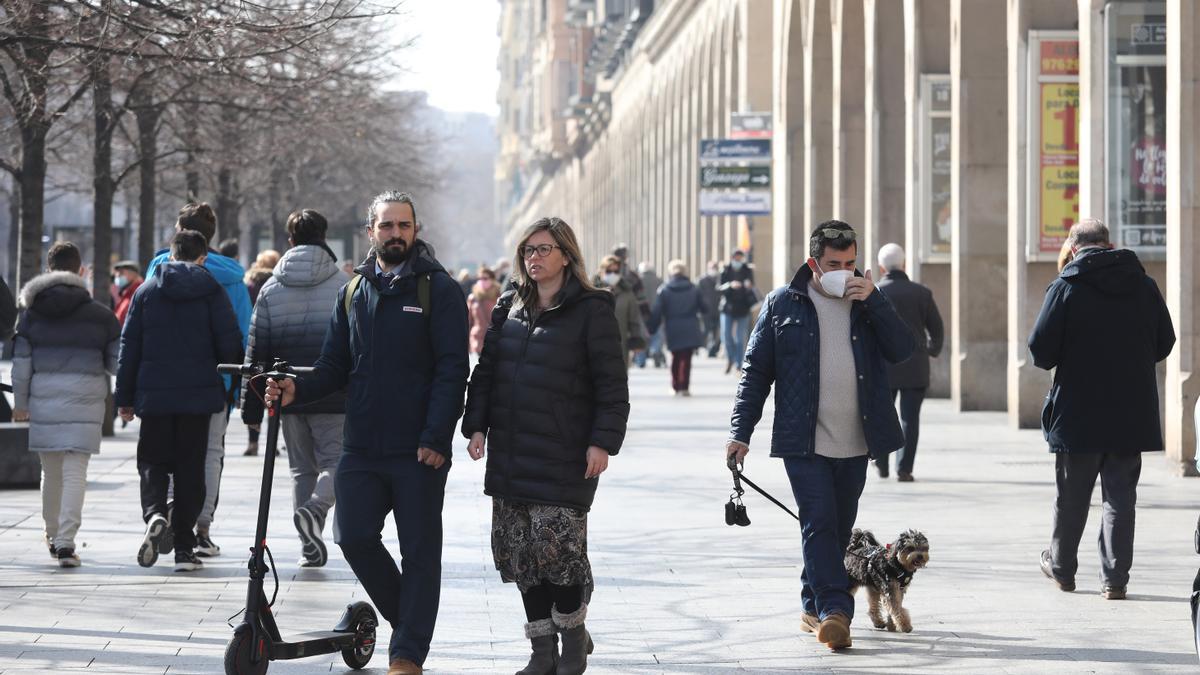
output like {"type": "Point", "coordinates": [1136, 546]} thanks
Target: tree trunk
{"type": "Point", "coordinates": [191, 135]}
{"type": "Point", "coordinates": [224, 205]}
{"type": "Point", "coordinates": [275, 218]}
{"type": "Point", "coordinates": [33, 202]}
{"type": "Point", "coordinates": [147, 124]}
{"type": "Point", "coordinates": [14, 230]}
{"type": "Point", "coordinates": [102, 179]}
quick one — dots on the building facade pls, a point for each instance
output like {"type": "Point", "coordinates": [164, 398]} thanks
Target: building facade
{"type": "Point", "coordinates": [972, 132]}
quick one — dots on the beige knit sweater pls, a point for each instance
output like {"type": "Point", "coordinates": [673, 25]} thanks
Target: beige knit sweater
{"type": "Point", "coordinates": [839, 423]}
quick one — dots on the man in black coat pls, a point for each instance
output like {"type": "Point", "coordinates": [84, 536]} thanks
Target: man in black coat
{"type": "Point", "coordinates": [397, 341]}
{"type": "Point", "coordinates": [738, 297]}
{"type": "Point", "coordinates": [712, 303]}
{"type": "Point", "coordinates": [909, 380]}
{"type": "Point", "coordinates": [1102, 328]}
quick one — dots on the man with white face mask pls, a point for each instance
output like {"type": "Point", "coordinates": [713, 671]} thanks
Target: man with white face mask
{"type": "Point", "coordinates": [824, 340]}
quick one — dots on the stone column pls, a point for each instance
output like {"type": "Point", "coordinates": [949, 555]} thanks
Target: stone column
{"type": "Point", "coordinates": [1027, 281]}
{"type": "Point", "coordinates": [1183, 246]}
{"type": "Point", "coordinates": [756, 93]}
{"type": "Point", "coordinates": [978, 271]}
{"type": "Point", "coordinates": [884, 126]}
{"type": "Point", "coordinates": [848, 165]}
{"type": "Point", "coordinates": [818, 145]}
{"type": "Point", "coordinates": [926, 50]}
{"type": "Point", "coordinates": [787, 148]}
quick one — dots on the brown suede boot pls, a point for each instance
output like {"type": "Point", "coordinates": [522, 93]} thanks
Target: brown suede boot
{"type": "Point", "coordinates": [834, 631]}
{"type": "Point", "coordinates": [809, 623]}
{"type": "Point", "coordinates": [403, 667]}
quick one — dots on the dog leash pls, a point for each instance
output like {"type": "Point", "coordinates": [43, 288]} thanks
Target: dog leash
{"type": "Point", "coordinates": [739, 478]}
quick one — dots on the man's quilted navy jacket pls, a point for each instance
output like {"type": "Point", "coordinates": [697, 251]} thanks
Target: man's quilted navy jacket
{"type": "Point", "coordinates": [785, 349]}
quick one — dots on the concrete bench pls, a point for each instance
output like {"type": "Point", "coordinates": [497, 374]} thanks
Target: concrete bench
{"type": "Point", "coordinates": [19, 468]}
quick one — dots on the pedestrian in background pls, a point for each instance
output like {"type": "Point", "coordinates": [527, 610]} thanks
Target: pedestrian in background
{"type": "Point", "coordinates": [679, 308]}
{"type": "Point", "coordinates": [550, 395]}
{"type": "Point", "coordinates": [712, 303]}
{"type": "Point", "coordinates": [256, 278]}
{"type": "Point", "coordinates": [466, 281]}
{"type": "Point", "coordinates": [1103, 328]}
{"type": "Point", "coordinates": [480, 302]}
{"type": "Point", "coordinates": [180, 326]}
{"type": "Point", "coordinates": [651, 282]}
{"type": "Point", "coordinates": [128, 278]}
{"type": "Point", "coordinates": [824, 341]}
{"type": "Point", "coordinates": [289, 323]}
{"type": "Point", "coordinates": [200, 217]}
{"type": "Point", "coordinates": [628, 311]}
{"type": "Point", "coordinates": [397, 341]}
{"type": "Point", "coordinates": [65, 350]}
{"type": "Point", "coordinates": [737, 299]}
{"type": "Point", "coordinates": [230, 248]}
{"type": "Point", "coordinates": [909, 379]}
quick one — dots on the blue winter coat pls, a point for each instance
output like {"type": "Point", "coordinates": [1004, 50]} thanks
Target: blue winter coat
{"type": "Point", "coordinates": [785, 349]}
{"type": "Point", "coordinates": [180, 326]}
{"type": "Point", "coordinates": [680, 307]}
{"type": "Point", "coordinates": [405, 373]}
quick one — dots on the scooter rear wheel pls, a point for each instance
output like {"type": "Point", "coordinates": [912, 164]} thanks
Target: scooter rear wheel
{"type": "Point", "coordinates": [364, 622]}
{"type": "Point", "coordinates": [238, 656]}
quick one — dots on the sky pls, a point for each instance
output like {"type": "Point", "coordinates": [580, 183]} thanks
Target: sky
{"type": "Point", "coordinates": [454, 57]}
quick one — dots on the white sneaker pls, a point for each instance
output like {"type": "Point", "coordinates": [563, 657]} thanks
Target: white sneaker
{"type": "Point", "coordinates": [148, 553]}
{"type": "Point", "coordinates": [310, 526]}
{"type": "Point", "coordinates": [205, 548]}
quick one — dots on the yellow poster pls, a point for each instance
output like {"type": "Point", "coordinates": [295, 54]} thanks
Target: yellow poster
{"type": "Point", "coordinates": [1059, 149]}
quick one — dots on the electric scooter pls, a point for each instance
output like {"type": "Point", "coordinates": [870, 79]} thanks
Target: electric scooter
{"type": "Point", "coordinates": [256, 640]}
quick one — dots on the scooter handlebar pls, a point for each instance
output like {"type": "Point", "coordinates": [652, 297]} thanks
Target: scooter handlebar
{"type": "Point", "coordinates": [277, 369]}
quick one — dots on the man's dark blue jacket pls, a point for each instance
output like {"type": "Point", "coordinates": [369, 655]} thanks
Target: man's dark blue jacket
{"type": "Point", "coordinates": [405, 373]}
{"type": "Point", "coordinates": [180, 326]}
{"type": "Point", "coordinates": [785, 349]}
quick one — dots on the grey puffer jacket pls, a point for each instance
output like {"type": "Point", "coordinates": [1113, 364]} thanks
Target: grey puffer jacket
{"type": "Point", "coordinates": [290, 320]}
{"type": "Point", "coordinates": [65, 348]}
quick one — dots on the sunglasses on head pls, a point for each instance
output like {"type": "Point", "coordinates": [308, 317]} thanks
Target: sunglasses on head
{"type": "Point", "coordinates": [835, 233]}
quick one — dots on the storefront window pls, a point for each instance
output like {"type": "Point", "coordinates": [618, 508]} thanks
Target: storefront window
{"type": "Point", "coordinates": [1136, 124]}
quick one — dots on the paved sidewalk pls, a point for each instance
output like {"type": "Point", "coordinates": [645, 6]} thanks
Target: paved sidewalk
{"type": "Point", "coordinates": [677, 590]}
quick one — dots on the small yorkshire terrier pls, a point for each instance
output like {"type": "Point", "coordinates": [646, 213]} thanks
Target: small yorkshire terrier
{"type": "Point", "coordinates": [886, 572]}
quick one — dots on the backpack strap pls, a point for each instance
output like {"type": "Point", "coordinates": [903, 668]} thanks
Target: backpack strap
{"type": "Point", "coordinates": [348, 298]}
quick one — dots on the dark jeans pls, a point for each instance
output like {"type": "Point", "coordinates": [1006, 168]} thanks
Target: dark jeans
{"type": "Point", "coordinates": [681, 369]}
{"type": "Point", "coordinates": [367, 490]}
{"type": "Point", "coordinates": [910, 423]}
{"type": "Point", "coordinates": [712, 334]}
{"type": "Point", "coordinates": [1075, 477]}
{"type": "Point", "coordinates": [174, 446]}
{"type": "Point", "coordinates": [826, 492]}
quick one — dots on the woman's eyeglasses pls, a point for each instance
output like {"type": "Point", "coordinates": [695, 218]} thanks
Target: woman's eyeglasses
{"type": "Point", "coordinates": [542, 250]}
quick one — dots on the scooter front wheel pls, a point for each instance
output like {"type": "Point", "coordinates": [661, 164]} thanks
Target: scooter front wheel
{"type": "Point", "coordinates": [241, 651]}
{"type": "Point", "coordinates": [363, 620]}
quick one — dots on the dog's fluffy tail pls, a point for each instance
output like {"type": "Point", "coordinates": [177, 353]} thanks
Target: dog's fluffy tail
{"type": "Point", "coordinates": [860, 539]}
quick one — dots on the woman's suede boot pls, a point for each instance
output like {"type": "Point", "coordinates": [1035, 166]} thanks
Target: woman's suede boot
{"type": "Point", "coordinates": [544, 638]}
{"type": "Point", "coordinates": [576, 643]}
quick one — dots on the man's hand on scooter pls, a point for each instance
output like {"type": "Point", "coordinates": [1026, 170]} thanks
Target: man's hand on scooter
{"type": "Point", "coordinates": [280, 390]}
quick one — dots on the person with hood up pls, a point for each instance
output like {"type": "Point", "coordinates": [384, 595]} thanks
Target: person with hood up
{"type": "Point", "coordinates": [200, 217]}
{"type": "Point", "coordinates": [65, 349]}
{"type": "Point", "coordinates": [550, 396]}
{"type": "Point", "coordinates": [180, 326]}
{"type": "Point", "coordinates": [397, 341]}
{"type": "Point", "coordinates": [628, 308]}
{"type": "Point", "coordinates": [679, 308]}
{"type": "Point", "coordinates": [1103, 328]}
{"type": "Point", "coordinates": [480, 302]}
{"type": "Point", "coordinates": [290, 317]}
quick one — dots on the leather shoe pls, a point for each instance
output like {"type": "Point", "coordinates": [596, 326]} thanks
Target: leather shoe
{"type": "Point", "coordinates": [403, 667]}
{"type": "Point", "coordinates": [834, 631]}
{"type": "Point", "coordinates": [1048, 569]}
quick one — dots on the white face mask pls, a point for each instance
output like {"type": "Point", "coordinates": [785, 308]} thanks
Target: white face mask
{"type": "Point", "coordinates": [612, 278]}
{"type": "Point", "coordinates": [834, 282]}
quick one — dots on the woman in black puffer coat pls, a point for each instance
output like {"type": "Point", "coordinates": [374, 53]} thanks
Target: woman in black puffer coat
{"type": "Point", "coordinates": [551, 397]}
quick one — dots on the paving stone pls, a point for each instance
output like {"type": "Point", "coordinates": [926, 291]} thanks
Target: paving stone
{"type": "Point", "coordinates": [677, 590]}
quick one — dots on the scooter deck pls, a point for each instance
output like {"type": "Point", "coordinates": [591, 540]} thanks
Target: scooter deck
{"type": "Point", "coordinates": [308, 644]}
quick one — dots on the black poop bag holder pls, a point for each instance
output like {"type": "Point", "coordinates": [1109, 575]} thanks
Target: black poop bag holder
{"type": "Point", "coordinates": [735, 510]}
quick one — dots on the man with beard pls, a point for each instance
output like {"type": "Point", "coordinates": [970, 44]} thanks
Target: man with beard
{"type": "Point", "coordinates": [398, 341]}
